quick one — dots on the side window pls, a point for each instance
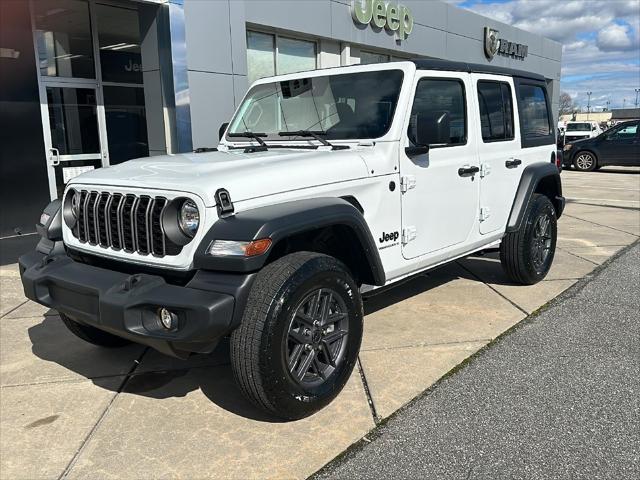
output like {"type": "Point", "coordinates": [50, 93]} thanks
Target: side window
{"type": "Point", "coordinates": [496, 111]}
{"type": "Point", "coordinates": [442, 99]}
{"type": "Point", "coordinates": [534, 116]}
{"type": "Point", "coordinates": [626, 132]}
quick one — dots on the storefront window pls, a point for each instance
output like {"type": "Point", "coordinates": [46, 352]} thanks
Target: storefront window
{"type": "Point", "coordinates": [119, 43]}
{"type": "Point", "coordinates": [63, 37]}
{"type": "Point", "coordinates": [369, 57]}
{"type": "Point", "coordinates": [126, 123]}
{"type": "Point", "coordinates": [292, 55]}
{"type": "Point", "coordinates": [260, 56]}
{"type": "Point", "coordinates": [295, 55]}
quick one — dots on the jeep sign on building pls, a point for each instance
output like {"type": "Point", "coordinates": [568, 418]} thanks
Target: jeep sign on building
{"type": "Point", "coordinates": [93, 83]}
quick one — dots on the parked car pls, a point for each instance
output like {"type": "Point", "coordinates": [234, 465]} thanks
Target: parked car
{"type": "Point", "coordinates": [325, 185]}
{"type": "Point", "coordinates": [580, 130]}
{"type": "Point", "coordinates": [618, 146]}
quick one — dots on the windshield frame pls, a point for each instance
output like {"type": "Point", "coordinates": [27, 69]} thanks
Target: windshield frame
{"type": "Point", "coordinates": [392, 134]}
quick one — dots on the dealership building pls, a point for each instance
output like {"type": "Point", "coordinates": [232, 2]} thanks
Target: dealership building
{"type": "Point", "coordinates": [91, 83]}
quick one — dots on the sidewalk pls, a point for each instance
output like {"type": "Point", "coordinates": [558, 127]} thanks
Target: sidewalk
{"type": "Point", "coordinates": [556, 398]}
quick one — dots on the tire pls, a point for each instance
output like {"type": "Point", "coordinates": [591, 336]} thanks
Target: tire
{"type": "Point", "coordinates": [527, 254]}
{"type": "Point", "coordinates": [93, 335]}
{"type": "Point", "coordinates": [585, 161]}
{"type": "Point", "coordinates": [278, 335]}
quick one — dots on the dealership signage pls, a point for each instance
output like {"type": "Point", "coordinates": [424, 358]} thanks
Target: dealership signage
{"type": "Point", "coordinates": [391, 16]}
{"type": "Point", "coordinates": [494, 44]}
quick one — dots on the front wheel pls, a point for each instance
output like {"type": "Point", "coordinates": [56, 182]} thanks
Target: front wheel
{"type": "Point", "coordinates": [585, 162]}
{"type": "Point", "coordinates": [527, 254]}
{"type": "Point", "coordinates": [300, 335]}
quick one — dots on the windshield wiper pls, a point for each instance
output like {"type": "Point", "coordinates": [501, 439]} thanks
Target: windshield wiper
{"type": "Point", "coordinates": [253, 135]}
{"type": "Point", "coordinates": [316, 134]}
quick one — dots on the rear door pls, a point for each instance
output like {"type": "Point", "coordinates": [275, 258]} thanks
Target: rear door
{"type": "Point", "coordinates": [498, 150]}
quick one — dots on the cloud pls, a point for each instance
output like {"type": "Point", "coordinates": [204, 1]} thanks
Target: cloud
{"type": "Point", "coordinates": [601, 41]}
{"type": "Point", "coordinates": [615, 37]}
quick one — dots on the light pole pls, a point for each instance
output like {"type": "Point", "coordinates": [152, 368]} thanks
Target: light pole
{"type": "Point", "coordinates": [588, 104]}
{"type": "Point", "coordinates": [624, 102]}
{"type": "Point", "coordinates": [637, 91]}
{"type": "Point", "coordinates": [608, 103]}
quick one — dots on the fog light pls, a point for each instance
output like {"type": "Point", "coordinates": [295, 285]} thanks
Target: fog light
{"type": "Point", "coordinates": [168, 319]}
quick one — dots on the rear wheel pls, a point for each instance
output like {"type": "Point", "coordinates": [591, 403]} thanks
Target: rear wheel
{"type": "Point", "coordinates": [93, 335]}
{"type": "Point", "coordinates": [585, 162]}
{"type": "Point", "coordinates": [300, 335]}
{"type": "Point", "coordinates": [527, 254]}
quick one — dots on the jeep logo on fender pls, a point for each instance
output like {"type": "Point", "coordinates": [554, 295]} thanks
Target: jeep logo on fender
{"type": "Point", "coordinates": [493, 44]}
{"type": "Point", "coordinates": [389, 236]}
{"type": "Point", "coordinates": [394, 17]}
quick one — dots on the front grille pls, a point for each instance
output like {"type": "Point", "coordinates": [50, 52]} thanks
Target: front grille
{"type": "Point", "coordinates": [123, 222]}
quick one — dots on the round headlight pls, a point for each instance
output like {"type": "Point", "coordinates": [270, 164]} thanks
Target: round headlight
{"type": "Point", "coordinates": [189, 218]}
{"type": "Point", "coordinates": [71, 208]}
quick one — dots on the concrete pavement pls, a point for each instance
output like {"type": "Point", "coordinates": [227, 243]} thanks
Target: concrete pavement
{"type": "Point", "coordinates": [557, 397]}
{"type": "Point", "coordinates": [69, 409]}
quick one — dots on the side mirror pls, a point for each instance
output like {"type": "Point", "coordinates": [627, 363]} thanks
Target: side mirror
{"type": "Point", "coordinates": [431, 128]}
{"type": "Point", "coordinates": [223, 128]}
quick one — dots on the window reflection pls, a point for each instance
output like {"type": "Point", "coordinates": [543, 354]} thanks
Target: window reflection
{"type": "Point", "coordinates": [63, 37]}
{"type": "Point", "coordinates": [73, 120]}
{"type": "Point", "coordinates": [119, 43]}
{"type": "Point", "coordinates": [126, 123]}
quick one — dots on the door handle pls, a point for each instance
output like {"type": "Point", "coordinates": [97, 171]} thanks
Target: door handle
{"type": "Point", "coordinates": [513, 163]}
{"type": "Point", "coordinates": [467, 171]}
{"type": "Point", "coordinates": [55, 157]}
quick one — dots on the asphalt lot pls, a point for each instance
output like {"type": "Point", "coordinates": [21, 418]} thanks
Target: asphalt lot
{"type": "Point", "coordinates": [557, 397]}
{"type": "Point", "coordinates": [72, 410]}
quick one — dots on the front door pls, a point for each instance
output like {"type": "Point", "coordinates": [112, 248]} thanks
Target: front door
{"type": "Point", "coordinates": [620, 147]}
{"type": "Point", "coordinates": [440, 188]}
{"type": "Point", "coordinates": [74, 129]}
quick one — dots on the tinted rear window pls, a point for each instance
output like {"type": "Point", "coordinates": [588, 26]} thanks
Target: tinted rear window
{"type": "Point", "coordinates": [534, 116]}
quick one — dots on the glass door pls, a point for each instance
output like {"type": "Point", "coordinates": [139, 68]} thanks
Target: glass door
{"type": "Point", "coordinates": [74, 132]}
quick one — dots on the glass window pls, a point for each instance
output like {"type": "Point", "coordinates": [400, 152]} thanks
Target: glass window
{"type": "Point", "coordinates": [441, 98]}
{"type": "Point", "coordinates": [626, 132]}
{"type": "Point", "coordinates": [534, 115]}
{"type": "Point", "coordinates": [63, 38]}
{"type": "Point", "coordinates": [346, 106]}
{"type": "Point", "coordinates": [496, 111]}
{"type": "Point", "coordinates": [578, 127]}
{"type": "Point", "coordinates": [73, 120]}
{"type": "Point", "coordinates": [119, 41]}
{"type": "Point", "coordinates": [126, 123]}
{"type": "Point", "coordinates": [369, 57]}
{"type": "Point", "coordinates": [260, 56]}
{"type": "Point", "coordinates": [295, 55]}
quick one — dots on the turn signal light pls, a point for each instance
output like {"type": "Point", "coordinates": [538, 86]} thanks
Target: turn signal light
{"type": "Point", "coordinates": [226, 248]}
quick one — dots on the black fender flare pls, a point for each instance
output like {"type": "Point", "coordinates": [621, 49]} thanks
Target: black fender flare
{"type": "Point", "coordinates": [283, 220]}
{"type": "Point", "coordinates": [531, 178]}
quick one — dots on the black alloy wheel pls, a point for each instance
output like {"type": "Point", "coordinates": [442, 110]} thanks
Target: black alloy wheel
{"type": "Point", "coordinates": [317, 337]}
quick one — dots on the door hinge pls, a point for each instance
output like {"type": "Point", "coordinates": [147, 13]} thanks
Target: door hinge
{"type": "Point", "coordinates": [485, 212]}
{"type": "Point", "coordinates": [407, 182]}
{"type": "Point", "coordinates": [408, 234]}
{"type": "Point", "coordinates": [485, 169]}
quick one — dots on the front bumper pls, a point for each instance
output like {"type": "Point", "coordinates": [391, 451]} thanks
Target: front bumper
{"type": "Point", "coordinates": [126, 305]}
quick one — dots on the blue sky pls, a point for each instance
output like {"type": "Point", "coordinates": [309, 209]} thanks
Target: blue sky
{"type": "Point", "coordinates": [601, 42]}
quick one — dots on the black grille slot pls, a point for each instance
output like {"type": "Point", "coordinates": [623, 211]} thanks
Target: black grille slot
{"type": "Point", "coordinates": [124, 222]}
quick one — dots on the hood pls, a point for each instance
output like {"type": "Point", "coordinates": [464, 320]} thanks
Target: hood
{"type": "Point", "coordinates": [244, 175]}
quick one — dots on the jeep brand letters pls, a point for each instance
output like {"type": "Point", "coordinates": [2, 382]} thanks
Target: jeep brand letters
{"type": "Point", "coordinates": [493, 44]}
{"type": "Point", "coordinates": [394, 17]}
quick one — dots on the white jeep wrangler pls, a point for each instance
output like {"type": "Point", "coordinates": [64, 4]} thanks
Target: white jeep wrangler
{"type": "Point", "coordinates": [325, 185]}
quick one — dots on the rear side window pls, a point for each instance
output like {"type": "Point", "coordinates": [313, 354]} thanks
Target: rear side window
{"type": "Point", "coordinates": [496, 111]}
{"type": "Point", "coordinates": [441, 98]}
{"type": "Point", "coordinates": [534, 113]}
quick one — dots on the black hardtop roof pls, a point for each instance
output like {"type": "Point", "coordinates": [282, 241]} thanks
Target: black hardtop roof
{"type": "Point", "coordinates": [435, 64]}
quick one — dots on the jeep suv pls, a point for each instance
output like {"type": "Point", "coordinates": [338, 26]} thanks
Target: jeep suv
{"type": "Point", "coordinates": [325, 186]}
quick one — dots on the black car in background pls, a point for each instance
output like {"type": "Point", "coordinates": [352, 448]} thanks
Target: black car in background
{"type": "Point", "coordinates": [620, 146]}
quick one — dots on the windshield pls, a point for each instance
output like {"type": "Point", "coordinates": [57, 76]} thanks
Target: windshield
{"type": "Point", "coordinates": [579, 127]}
{"type": "Point", "coordinates": [348, 106]}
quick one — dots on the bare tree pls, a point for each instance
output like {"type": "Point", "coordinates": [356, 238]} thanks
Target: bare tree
{"type": "Point", "coordinates": [566, 104]}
